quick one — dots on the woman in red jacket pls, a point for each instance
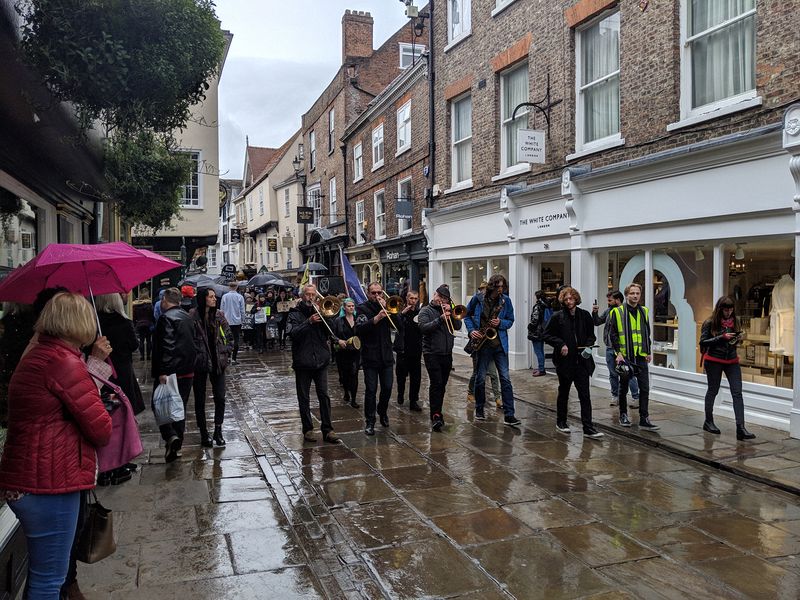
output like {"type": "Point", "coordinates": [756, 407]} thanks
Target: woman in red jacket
{"type": "Point", "coordinates": [55, 421]}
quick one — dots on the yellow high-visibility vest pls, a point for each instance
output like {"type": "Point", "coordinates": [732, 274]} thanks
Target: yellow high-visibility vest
{"type": "Point", "coordinates": [635, 326]}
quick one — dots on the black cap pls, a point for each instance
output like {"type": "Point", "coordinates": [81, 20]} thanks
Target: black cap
{"type": "Point", "coordinates": [443, 291]}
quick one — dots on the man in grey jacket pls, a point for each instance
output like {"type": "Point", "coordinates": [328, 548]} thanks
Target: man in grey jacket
{"type": "Point", "coordinates": [437, 349]}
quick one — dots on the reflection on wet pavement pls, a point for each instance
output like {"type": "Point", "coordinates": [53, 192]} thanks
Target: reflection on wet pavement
{"type": "Point", "coordinates": [481, 511]}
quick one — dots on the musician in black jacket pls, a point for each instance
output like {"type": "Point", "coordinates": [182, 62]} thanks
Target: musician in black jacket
{"type": "Point", "coordinates": [348, 358]}
{"type": "Point", "coordinates": [437, 347]}
{"type": "Point", "coordinates": [375, 331]}
{"type": "Point", "coordinates": [310, 358]}
{"type": "Point", "coordinates": [408, 346]}
{"type": "Point", "coordinates": [570, 331]}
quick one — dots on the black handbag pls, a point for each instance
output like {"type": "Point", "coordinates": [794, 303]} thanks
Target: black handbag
{"type": "Point", "coordinates": [97, 536]}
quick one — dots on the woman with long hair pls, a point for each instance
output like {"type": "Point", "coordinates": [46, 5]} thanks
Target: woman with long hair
{"type": "Point", "coordinates": [260, 322]}
{"type": "Point", "coordinates": [214, 343]}
{"type": "Point", "coordinates": [348, 359]}
{"type": "Point", "coordinates": [719, 337]}
{"type": "Point", "coordinates": [56, 420]}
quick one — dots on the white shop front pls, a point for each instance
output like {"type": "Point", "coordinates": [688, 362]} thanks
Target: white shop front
{"type": "Point", "coordinates": [690, 225]}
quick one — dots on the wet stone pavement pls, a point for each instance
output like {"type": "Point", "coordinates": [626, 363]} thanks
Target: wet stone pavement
{"type": "Point", "coordinates": [479, 511]}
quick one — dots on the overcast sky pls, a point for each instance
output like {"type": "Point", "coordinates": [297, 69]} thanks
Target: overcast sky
{"type": "Point", "coordinates": [283, 56]}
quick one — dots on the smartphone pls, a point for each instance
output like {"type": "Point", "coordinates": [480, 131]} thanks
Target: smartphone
{"type": "Point", "coordinates": [595, 301]}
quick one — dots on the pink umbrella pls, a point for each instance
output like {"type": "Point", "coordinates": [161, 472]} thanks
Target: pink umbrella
{"type": "Point", "coordinates": [89, 269]}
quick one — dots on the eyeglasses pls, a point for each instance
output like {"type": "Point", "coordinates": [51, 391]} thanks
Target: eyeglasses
{"type": "Point", "coordinates": [378, 293]}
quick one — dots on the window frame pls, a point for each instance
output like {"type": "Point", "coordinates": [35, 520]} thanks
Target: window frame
{"type": "Point", "coordinates": [505, 121]}
{"type": "Point", "coordinates": [453, 142]}
{"type": "Point", "coordinates": [287, 203]}
{"type": "Point", "coordinates": [406, 127]}
{"type": "Point", "coordinates": [377, 164]}
{"type": "Point", "coordinates": [250, 208]}
{"type": "Point", "coordinates": [358, 162]}
{"type": "Point", "coordinates": [380, 217]}
{"type": "Point", "coordinates": [691, 115]}
{"type": "Point", "coordinates": [312, 152]}
{"type": "Point", "coordinates": [405, 180]}
{"type": "Point", "coordinates": [332, 217]}
{"type": "Point", "coordinates": [410, 51]}
{"type": "Point", "coordinates": [261, 201]}
{"type": "Point", "coordinates": [463, 32]}
{"type": "Point", "coordinates": [360, 220]}
{"type": "Point", "coordinates": [331, 129]}
{"type": "Point", "coordinates": [195, 156]}
{"type": "Point", "coordinates": [314, 194]}
{"type": "Point", "coordinates": [610, 141]}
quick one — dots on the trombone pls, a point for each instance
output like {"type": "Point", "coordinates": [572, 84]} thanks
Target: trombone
{"type": "Point", "coordinates": [329, 306]}
{"type": "Point", "coordinates": [394, 305]}
{"type": "Point", "coordinates": [458, 312]}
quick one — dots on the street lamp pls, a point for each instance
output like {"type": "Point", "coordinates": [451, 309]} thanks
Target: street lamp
{"type": "Point", "coordinates": [301, 177]}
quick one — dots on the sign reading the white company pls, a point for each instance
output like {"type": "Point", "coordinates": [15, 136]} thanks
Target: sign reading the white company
{"type": "Point", "coordinates": [547, 218]}
{"type": "Point", "coordinates": [530, 146]}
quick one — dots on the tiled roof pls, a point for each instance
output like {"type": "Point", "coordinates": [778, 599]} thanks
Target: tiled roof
{"type": "Point", "coordinates": [257, 158]}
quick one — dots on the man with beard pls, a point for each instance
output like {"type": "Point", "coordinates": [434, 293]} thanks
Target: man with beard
{"type": "Point", "coordinates": [570, 332]}
{"type": "Point", "coordinates": [310, 359]}
{"type": "Point", "coordinates": [492, 310]}
{"type": "Point", "coordinates": [437, 348]}
{"type": "Point", "coordinates": [374, 328]}
{"type": "Point", "coordinates": [408, 346]}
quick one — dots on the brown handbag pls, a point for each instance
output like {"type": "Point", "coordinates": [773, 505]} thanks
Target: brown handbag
{"type": "Point", "coordinates": [97, 536]}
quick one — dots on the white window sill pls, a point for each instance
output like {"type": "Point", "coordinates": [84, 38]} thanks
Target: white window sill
{"type": "Point", "coordinates": [404, 232]}
{"type": "Point", "coordinates": [189, 207]}
{"type": "Point", "coordinates": [357, 179]}
{"type": "Point", "coordinates": [461, 185]}
{"type": "Point", "coordinates": [502, 7]}
{"type": "Point", "coordinates": [381, 237]}
{"type": "Point", "coordinates": [596, 147]}
{"type": "Point", "coordinates": [375, 167]}
{"type": "Point", "coordinates": [457, 41]}
{"type": "Point", "coordinates": [403, 150]}
{"type": "Point", "coordinates": [517, 169]}
{"type": "Point", "coordinates": [718, 111]}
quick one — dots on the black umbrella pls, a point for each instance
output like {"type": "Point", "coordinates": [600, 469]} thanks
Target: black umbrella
{"type": "Point", "coordinates": [262, 279]}
{"type": "Point", "coordinates": [313, 266]}
{"type": "Point", "coordinates": [219, 289]}
{"type": "Point", "coordinates": [279, 283]}
{"type": "Point", "coordinates": [198, 279]}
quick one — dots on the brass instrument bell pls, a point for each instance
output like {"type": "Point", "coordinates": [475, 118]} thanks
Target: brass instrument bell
{"type": "Point", "coordinates": [394, 305]}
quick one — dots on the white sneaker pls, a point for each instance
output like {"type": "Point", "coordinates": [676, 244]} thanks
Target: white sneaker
{"type": "Point", "coordinates": [563, 427]}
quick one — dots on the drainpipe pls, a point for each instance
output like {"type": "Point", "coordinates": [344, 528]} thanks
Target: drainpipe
{"type": "Point", "coordinates": [431, 109]}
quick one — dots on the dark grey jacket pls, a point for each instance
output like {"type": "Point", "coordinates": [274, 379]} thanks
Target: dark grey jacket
{"type": "Point", "coordinates": [376, 340]}
{"type": "Point", "coordinates": [436, 339]}
{"type": "Point", "coordinates": [309, 340]}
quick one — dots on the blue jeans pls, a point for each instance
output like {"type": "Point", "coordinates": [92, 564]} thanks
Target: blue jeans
{"type": "Point", "coordinates": [48, 522]}
{"type": "Point", "coordinates": [538, 350]}
{"type": "Point", "coordinates": [500, 359]}
{"type": "Point", "coordinates": [373, 375]}
{"type": "Point", "coordinates": [611, 361]}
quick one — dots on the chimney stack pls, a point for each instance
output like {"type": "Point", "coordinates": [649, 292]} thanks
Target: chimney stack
{"type": "Point", "coordinates": [356, 35]}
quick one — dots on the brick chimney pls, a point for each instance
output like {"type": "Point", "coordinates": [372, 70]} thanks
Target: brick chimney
{"type": "Point", "coordinates": [356, 35]}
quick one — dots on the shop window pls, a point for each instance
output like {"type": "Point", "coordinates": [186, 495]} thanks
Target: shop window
{"type": "Point", "coordinates": [551, 277]}
{"type": "Point", "coordinates": [499, 266]}
{"type": "Point", "coordinates": [452, 277]}
{"type": "Point", "coordinates": [760, 278]}
{"type": "Point", "coordinates": [474, 274]}
{"type": "Point", "coordinates": [395, 275]}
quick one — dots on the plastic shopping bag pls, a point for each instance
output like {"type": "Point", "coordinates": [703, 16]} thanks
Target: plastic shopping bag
{"type": "Point", "coordinates": [167, 402]}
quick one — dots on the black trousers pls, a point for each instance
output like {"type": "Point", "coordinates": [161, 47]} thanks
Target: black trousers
{"type": "Point", "coordinates": [373, 375]}
{"type": "Point", "coordinates": [408, 366]}
{"type": "Point", "coordinates": [260, 336]}
{"type": "Point", "coordinates": [303, 379]}
{"type": "Point", "coordinates": [642, 374]}
{"type": "Point", "coordinates": [567, 377]}
{"type": "Point", "coordinates": [145, 341]}
{"type": "Point", "coordinates": [348, 362]}
{"type": "Point", "coordinates": [438, 367]}
{"type": "Point", "coordinates": [733, 373]}
{"type": "Point", "coordinates": [237, 332]}
{"type": "Point", "coordinates": [179, 427]}
{"type": "Point", "coordinates": [282, 332]}
{"type": "Point", "coordinates": [217, 390]}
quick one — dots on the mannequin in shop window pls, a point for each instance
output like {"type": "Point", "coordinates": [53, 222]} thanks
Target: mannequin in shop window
{"type": "Point", "coordinates": [781, 317]}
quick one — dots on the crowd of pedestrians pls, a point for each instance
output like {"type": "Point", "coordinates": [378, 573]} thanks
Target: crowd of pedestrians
{"type": "Point", "coordinates": [62, 384]}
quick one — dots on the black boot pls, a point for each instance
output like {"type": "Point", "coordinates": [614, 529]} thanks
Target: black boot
{"type": "Point", "coordinates": [709, 426]}
{"type": "Point", "coordinates": [218, 439]}
{"type": "Point", "coordinates": [205, 439]}
{"type": "Point", "coordinates": [743, 434]}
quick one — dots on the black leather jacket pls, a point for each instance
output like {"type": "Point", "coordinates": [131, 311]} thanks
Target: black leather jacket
{"type": "Point", "coordinates": [173, 343]}
{"type": "Point", "coordinates": [715, 345]}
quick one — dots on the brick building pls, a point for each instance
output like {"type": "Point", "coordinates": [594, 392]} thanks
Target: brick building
{"type": "Point", "coordinates": [363, 74]}
{"type": "Point", "coordinates": [663, 164]}
{"type": "Point", "coordinates": [387, 152]}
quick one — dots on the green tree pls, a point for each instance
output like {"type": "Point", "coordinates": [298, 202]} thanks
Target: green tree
{"type": "Point", "coordinates": [135, 67]}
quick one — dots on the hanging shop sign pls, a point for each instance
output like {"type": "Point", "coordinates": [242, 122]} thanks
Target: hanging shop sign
{"type": "Point", "coordinates": [305, 215]}
{"type": "Point", "coordinates": [530, 146]}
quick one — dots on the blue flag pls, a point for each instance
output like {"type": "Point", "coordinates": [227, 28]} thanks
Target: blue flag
{"type": "Point", "coordinates": [351, 282]}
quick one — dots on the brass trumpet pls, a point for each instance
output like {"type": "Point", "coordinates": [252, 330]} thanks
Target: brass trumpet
{"type": "Point", "coordinates": [328, 307]}
{"type": "Point", "coordinates": [458, 312]}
